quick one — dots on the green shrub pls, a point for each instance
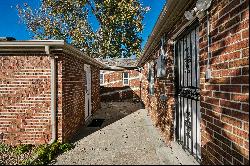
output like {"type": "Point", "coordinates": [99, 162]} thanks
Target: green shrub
{"type": "Point", "coordinates": [22, 149]}
{"type": "Point", "coordinates": [26, 162]}
{"type": "Point", "coordinates": [4, 148]}
{"type": "Point", "coordinates": [65, 147]}
{"type": "Point", "coordinates": [46, 153]}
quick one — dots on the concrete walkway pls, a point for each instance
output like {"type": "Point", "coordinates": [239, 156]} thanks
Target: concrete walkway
{"type": "Point", "coordinates": [127, 136]}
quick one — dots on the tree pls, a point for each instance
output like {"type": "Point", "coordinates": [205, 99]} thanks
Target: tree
{"type": "Point", "coordinates": [119, 31]}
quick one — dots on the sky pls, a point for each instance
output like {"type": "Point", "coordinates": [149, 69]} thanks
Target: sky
{"type": "Point", "coordinates": [11, 26]}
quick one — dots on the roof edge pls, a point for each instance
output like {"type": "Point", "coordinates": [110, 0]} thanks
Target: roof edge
{"type": "Point", "coordinates": [32, 43]}
{"type": "Point", "coordinates": [166, 16]}
{"type": "Point", "coordinates": [156, 27]}
{"type": "Point", "coordinates": [55, 44]}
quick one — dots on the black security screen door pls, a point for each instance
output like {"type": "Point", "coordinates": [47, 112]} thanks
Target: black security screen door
{"type": "Point", "coordinates": [187, 115]}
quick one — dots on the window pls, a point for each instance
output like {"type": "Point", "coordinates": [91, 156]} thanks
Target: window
{"type": "Point", "coordinates": [101, 78]}
{"type": "Point", "coordinates": [125, 78]}
{"type": "Point", "coordinates": [151, 78]}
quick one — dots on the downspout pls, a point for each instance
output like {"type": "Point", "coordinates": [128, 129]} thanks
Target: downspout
{"type": "Point", "coordinates": [140, 77]}
{"type": "Point", "coordinates": [53, 94]}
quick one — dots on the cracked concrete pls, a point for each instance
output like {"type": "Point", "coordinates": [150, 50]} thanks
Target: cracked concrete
{"type": "Point", "coordinates": [127, 136]}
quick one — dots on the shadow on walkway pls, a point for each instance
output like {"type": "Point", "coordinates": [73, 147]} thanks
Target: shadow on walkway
{"type": "Point", "coordinates": [110, 112]}
{"type": "Point", "coordinates": [127, 137]}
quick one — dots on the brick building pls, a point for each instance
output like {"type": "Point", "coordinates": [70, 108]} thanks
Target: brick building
{"type": "Point", "coordinates": [195, 80]}
{"type": "Point", "coordinates": [121, 81]}
{"type": "Point", "coordinates": [47, 91]}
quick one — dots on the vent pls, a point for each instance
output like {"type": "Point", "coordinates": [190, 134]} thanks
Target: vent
{"type": "Point", "coordinates": [7, 38]}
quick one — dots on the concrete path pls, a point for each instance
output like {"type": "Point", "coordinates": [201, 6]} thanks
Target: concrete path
{"type": "Point", "coordinates": [127, 136]}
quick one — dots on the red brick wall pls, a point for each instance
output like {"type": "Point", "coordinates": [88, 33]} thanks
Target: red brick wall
{"type": "Point", "coordinates": [225, 97]}
{"type": "Point", "coordinates": [113, 88]}
{"type": "Point", "coordinates": [73, 94]}
{"type": "Point", "coordinates": [96, 99]}
{"type": "Point", "coordinates": [162, 117]}
{"type": "Point", "coordinates": [25, 99]}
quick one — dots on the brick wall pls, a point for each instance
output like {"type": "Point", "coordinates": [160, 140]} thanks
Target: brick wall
{"type": "Point", "coordinates": [161, 112]}
{"type": "Point", "coordinates": [96, 99]}
{"type": "Point", "coordinates": [73, 95]}
{"type": "Point", "coordinates": [25, 97]}
{"type": "Point", "coordinates": [113, 88]}
{"type": "Point", "coordinates": [225, 97]}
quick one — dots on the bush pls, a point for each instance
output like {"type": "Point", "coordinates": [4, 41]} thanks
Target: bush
{"type": "Point", "coordinates": [41, 155]}
{"type": "Point", "coordinates": [13, 155]}
{"type": "Point", "coordinates": [4, 148]}
{"type": "Point", "coordinates": [46, 153]}
{"type": "Point", "coordinates": [22, 149]}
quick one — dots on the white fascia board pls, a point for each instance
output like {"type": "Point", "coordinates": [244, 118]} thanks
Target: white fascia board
{"type": "Point", "coordinates": [29, 45]}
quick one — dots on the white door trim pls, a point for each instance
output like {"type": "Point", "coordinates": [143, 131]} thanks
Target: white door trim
{"type": "Point", "coordinates": [87, 87]}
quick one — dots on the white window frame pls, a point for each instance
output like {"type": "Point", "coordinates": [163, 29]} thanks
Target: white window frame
{"type": "Point", "coordinates": [123, 78]}
{"type": "Point", "coordinates": [103, 80]}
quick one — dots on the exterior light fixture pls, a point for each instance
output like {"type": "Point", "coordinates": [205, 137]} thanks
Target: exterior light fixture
{"type": "Point", "coordinates": [198, 10]}
{"type": "Point", "coordinates": [189, 14]}
{"type": "Point", "coordinates": [203, 5]}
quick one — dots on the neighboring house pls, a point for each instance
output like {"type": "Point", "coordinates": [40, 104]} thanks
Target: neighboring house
{"type": "Point", "coordinates": [197, 100]}
{"type": "Point", "coordinates": [121, 81]}
{"type": "Point", "coordinates": [48, 89]}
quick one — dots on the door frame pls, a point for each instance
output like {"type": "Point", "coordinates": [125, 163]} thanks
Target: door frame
{"type": "Point", "coordinates": [87, 91]}
{"type": "Point", "coordinates": [188, 29]}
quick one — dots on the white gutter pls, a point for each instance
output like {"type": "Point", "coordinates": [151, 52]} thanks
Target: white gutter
{"type": "Point", "coordinates": [157, 26]}
{"type": "Point", "coordinates": [36, 45]}
{"type": "Point", "coordinates": [168, 16]}
{"type": "Point", "coordinates": [32, 43]}
{"type": "Point", "coordinates": [53, 94]}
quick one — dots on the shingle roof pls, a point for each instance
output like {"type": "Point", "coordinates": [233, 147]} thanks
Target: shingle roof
{"type": "Point", "coordinates": [119, 62]}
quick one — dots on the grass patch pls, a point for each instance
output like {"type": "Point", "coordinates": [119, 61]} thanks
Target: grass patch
{"type": "Point", "coordinates": [4, 148]}
{"type": "Point", "coordinates": [46, 153]}
{"type": "Point", "coordinates": [13, 155]}
{"type": "Point", "coordinates": [31, 155]}
{"type": "Point", "coordinates": [22, 149]}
